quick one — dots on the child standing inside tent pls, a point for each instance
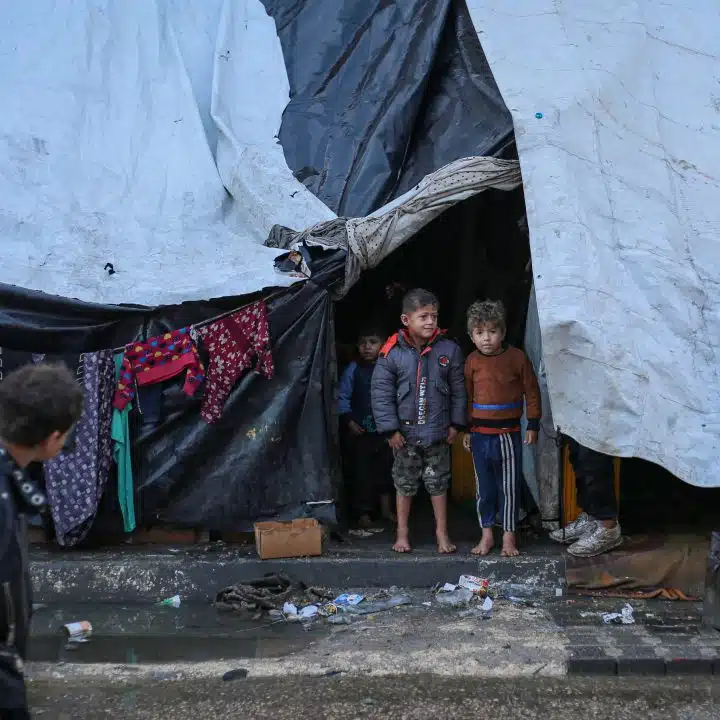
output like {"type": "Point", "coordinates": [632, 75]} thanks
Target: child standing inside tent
{"type": "Point", "coordinates": [498, 378]}
{"type": "Point", "coordinates": [418, 400]}
{"type": "Point", "coordinates": [371, 457]}
{"type": "Point", "coordinates": [39, 404]}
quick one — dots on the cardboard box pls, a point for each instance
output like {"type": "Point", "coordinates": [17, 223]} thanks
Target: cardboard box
{"type": "Point", "coordinates": [299, 538]}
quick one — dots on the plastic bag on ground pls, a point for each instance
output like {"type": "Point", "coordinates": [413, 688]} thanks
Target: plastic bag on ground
{"type": "Point", "coordinates": [367, 608]}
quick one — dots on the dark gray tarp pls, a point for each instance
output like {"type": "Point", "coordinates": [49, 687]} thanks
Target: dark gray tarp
{"type": "Point", "coordinates": [274, 449]}
{"type": "Point", "coordinates": [382, 94]}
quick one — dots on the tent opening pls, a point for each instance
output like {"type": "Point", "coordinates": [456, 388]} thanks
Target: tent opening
{"type": "Point", "coordinates": [478, 249]}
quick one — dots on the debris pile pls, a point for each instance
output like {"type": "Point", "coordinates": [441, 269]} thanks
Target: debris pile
{"type": "Point", "coordinates": [287, 601]}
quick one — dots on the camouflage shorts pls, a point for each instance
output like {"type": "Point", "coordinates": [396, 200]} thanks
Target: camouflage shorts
{"type": "Point", "coordinates": [414, 463]}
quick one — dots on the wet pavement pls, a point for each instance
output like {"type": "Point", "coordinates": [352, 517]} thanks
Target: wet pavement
{"type": "Point", "coordinates": [126, 634]}
{"type": "Point", "coordinates": [417, 697]}
{"type": "Point", "coordinates": [530, 635]}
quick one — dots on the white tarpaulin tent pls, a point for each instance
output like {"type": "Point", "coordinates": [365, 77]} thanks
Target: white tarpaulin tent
{"type": "Point", "coordinates": [143, 134]}
{"type": "Point", "coordinates": [111, 114]}
{"type": "Point", "coordinates": [622, 177]}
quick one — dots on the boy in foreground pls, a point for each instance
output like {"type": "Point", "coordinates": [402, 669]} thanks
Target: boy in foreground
{"type": "Point", "coordinates": [39, 404]}
{"type": "Point", "coordinates": [369, 452]}
{"type": "Point", "coordinates": [418, 401]}
{"type": "Point", "coordinates": [498, 379]}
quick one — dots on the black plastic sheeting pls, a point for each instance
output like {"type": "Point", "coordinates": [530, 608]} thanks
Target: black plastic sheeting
{"type": "Point", "coordinates": [381, 94]}
{"type": "Point", "coordinates": [275, 447]}
{"type": "Point", "coordinates": [711, 607]}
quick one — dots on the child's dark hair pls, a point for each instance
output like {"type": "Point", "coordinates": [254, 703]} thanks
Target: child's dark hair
{"type": "Point", "coordinates": [417, 298]}
{"type": "Point", "coordinates": [372, 330]}
{"type": "Point", "coordinates": [486, 311]}
{"type": "Point", "coordinates": [37, 401]}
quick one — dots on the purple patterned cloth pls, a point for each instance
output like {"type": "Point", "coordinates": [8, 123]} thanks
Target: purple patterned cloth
{"type": "Point", "coordinates": [75, 479]}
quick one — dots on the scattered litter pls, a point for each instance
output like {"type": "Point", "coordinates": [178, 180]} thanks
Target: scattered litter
{"type": "Point", "coordinates": [518, 591]}
{"type": "Point", "coordinates": [539, 115]}
{"type": "Point", "coordinates": [588, 613]}
{"type": "Point", "coordinates": [347, 599]}
{"type": "Point", "coordinates": [366, 608]}
{"type": "Point", "coordinates": [339, 620]}
{"type": "Point", "coordinates": [308, 612]}
{"type": "Point", "coordinates": [447, 587]}
{"type": "Point", "coordinates": [558, 592]}
{"type": "Point", "coordinates": [455, 599]}
{"type": "Point", "coordinates": [483, 612]}
{"type": "Point", "coordinates": [520, 601]}
{"type": "Point", "coordinates": [427, 604]}
{"type": "Point", "coordinates": [624, 617]}
{"type": "Point", "coordinates": [476, 585]}
{"type": "Point", "coordinates": [290, 610]}
{"type": "Point", "coordinates": [174, 601]}
{"type": "Point", "coordinates": [360, 533]}
{"type": "Point", "coordinates": [238, 674]}
{"type": "Point", "coordinates": [79, 632]}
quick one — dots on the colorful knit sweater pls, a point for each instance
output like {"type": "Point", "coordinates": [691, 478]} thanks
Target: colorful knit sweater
{"type": "Point", "coordinates": [496, 387]}
{"type": "Point", "coordinates": [157, 359]}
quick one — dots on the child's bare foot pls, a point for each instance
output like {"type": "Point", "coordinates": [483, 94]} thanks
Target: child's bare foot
{"type": "Point", "coordinates": [365, 522]}
{"type": "Point", "coordinates": [402, 543]}
{"type": "Point", "coordinates": [509, 548]}
{"type": "Point", "coordinates": [486, 544]}
{"type": "Point", "coordinates": [445, 545]}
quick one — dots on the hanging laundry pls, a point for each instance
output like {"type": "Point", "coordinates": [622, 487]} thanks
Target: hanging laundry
{"type": "Point", "coordinates": [157, 359]}
{"type": "Point", "coordinates": [121, 451]}
{"type": "Point", "coordinates": [75, 480]}
{"type": "Point", "coordinates": [232, 343]}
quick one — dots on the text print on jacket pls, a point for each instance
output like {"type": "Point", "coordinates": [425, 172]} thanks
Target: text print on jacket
{"type": "Point", "coordinates": [421, 394]}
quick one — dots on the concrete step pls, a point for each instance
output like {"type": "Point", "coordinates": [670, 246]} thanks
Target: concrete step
{"type": "Point", "coordinates": [197, 575]}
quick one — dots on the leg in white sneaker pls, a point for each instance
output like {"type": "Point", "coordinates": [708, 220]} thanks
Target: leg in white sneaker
{"type": "Point", "coordinates": [601, 540]}
{"type": "Point", "coordinates": [575, 530]}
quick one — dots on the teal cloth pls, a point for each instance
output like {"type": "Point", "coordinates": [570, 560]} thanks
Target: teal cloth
{"type": "Point", "coordinates": [121, 451]}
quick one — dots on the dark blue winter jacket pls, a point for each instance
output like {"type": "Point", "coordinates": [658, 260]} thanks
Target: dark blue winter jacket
{"type": "Point", "coordinates": [422, 394]}
{"type": "Point", "coordinates": [354, 395]}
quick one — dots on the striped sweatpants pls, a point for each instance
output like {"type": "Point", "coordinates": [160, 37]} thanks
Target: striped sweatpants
{"type": "Point", "coordinates": [498, 468]}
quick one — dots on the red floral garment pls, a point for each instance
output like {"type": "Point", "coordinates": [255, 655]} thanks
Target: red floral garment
{"type": "Point", "coordinates": [232, 343]}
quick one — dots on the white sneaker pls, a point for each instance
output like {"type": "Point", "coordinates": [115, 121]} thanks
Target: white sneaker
{"type": "Point", "coordinates": [584, 525]}
{"type": "Point", "coordinates": [599, 541]}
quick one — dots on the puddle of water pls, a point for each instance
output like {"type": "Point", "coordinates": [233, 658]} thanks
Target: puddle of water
{"type": "Point", "coordinates": [127, 634]}
{"type": "Point", "coordinates": [138, 649]}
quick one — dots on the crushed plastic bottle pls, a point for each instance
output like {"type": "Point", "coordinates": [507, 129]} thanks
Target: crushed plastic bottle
{"type": "Point", "coordinates": [459, 598]}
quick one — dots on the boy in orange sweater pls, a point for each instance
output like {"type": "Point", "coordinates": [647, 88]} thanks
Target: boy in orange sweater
{"type": "Point", "coordinates": [498, 378]}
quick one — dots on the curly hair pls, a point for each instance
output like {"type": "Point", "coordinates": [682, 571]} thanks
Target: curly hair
{"type": "Point", "coordinates": [486, 311]}
{"type": "Point", "coordinates": [36, 401]}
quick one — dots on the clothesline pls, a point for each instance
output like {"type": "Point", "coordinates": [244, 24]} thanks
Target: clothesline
{"type": "Point", "coordinates": [222, 315]}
